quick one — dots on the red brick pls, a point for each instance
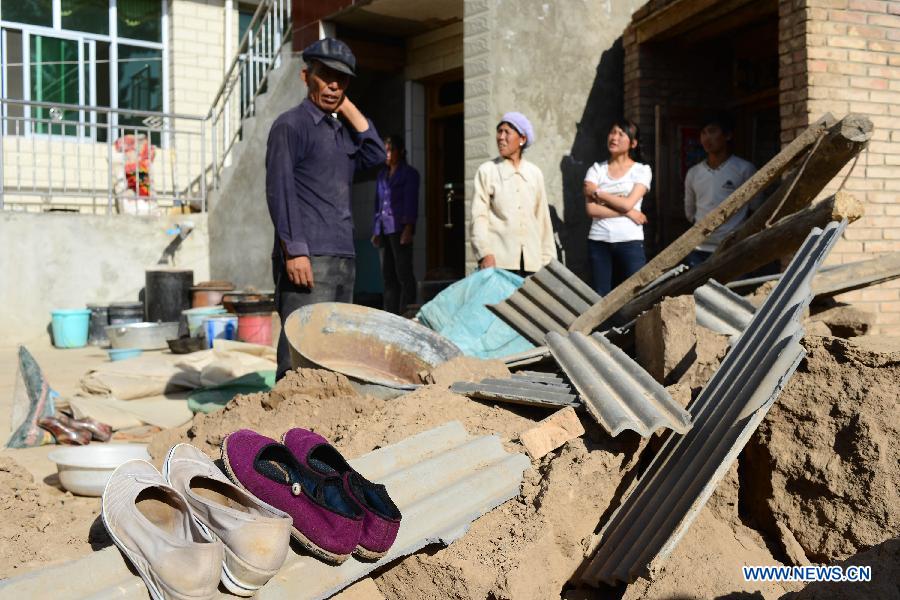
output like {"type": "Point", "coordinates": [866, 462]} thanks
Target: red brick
{"type": "Point", "coordinates": [885, 46]}
{"type": "Point", "coordinates": [869, 83]}
{"type": "Point", "coordinates": [844, 16]}
{"type": "Point", "coordinates": [861, 233]}
{"type": "Point", "coordinates": [872, 58]}
{"type": "Point", "coordinates": [878, 295]}
{"type": "Point", "coordinates": [851, 94]}
{"type": "Point", "coordinates": [869, 33]}
{"type": "Point", "coordinates": [889, 307]}
{"type": "Point", "coordinates": [840, 41]}
{"type": "Point", "coordinates": [884, 20]}
{"type": "Point", "coordinates": [886, 97]}
{"type": "Point", "coordinates": [847, 68]}
{"type": "Point", "coordinates": [829, 53]}
{"type": "Point", "coordinates": [882, 246]}
{"type": "Point", "coordinates": [877, 6]}
{"type": "Point", "coordinates": [827, 79]}
{"type": "Point", "coordinates": [883, 172]}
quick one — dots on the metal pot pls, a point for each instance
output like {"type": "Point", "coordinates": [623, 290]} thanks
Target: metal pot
{"type": "Point", "coordinates": [381, 353]}
{"type": "Point", "coordinates": [146, 336]}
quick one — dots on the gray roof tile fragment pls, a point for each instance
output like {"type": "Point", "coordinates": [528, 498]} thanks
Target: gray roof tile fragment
{"type": "Point", "coordinates": [720, 309]}
{"type": "Point", "coordinates": [526, 387]}
{"type": "Point", "coordinates": [617, 391]}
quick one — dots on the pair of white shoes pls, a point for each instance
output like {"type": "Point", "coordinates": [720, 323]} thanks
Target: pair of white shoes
{"type": "Point", "coordinates": [189, 527]}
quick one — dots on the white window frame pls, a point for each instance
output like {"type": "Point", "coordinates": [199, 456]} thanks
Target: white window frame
{"type": "Point", "coordinates": [89, 40]}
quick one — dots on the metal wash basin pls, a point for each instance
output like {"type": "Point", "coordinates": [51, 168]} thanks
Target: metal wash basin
{"type": "Point", "coordinates": [381, 353]}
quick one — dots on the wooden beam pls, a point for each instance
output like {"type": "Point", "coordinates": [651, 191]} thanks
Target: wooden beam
{"type": "Point", "coordinates": [857, 275]}
{"type": "Point", "coordinates": [780, 240]}
{"type": "Point", "coordinates": [844, 141]}
{"type": "Point", "coordinates": [684, 15]}
{"type": "Point", "coordinates": [693, 237]}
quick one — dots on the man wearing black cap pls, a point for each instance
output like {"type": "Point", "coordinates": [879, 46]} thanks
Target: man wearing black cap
{"type": "Point", "coordinates": [312, 153]}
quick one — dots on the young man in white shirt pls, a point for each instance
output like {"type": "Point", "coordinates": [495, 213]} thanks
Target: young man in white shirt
{"type": "Point", "coordinates": [709, 182]}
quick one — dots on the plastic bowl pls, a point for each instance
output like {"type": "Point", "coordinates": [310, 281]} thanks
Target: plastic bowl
{"type": "Point", "coordinates": [84, 470]}
{"type": "Point", "coordinates": [123, 353]}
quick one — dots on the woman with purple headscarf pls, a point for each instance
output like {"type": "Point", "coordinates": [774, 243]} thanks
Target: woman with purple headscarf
{"type": "Point", "coordinates": [511, 226]}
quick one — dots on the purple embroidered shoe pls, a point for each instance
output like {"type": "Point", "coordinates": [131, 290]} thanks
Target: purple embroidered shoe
{"type": "Point", "coordinates": [327, 521]}
{"type": "Point", "coordinates": [381, 519]}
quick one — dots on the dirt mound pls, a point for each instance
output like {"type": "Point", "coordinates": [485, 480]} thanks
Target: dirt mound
{"type": "Point", "coordinates": [824, 466]}
{"type": "Point", "coordinates": [321, 401]}
{"type": "Point", "coordinates": [41, 524]}
{"type": "Point", "coordinates": [885, 562]}
{"type": "Point", "coordinates": [528, 547]}
{"type": "Point", "coordinates": [707, 564]}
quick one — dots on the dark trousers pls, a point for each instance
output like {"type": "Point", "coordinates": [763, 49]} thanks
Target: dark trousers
{"type": "Point", "coordinates": [333, 278]}
{"type": "Point", "coordinates": [614, 262]}
{"type": "Point", "coordinates": [696, 257]}
{"type": "Point", "coordinates": [397, 270]}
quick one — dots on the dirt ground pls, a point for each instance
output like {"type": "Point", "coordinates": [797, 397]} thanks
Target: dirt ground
{"type": "Point", "coordinates": [534, 546]}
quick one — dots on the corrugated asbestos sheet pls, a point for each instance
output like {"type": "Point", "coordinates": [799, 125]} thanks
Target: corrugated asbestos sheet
{"type": "Point", "coordinates": [442, 480]}
{"type": "Point", "coordinates": [524, 387]}
{"type": "Point", "coordinates": [721, 310]}
{"type": "Point", "coordinates": [617, 392]}
{"type": "Point", "coordinates": [654, 516]}
{"type": "Point", "coordinates": [528, 357]}
{"type": "Point", "coordinates": [549, 300]}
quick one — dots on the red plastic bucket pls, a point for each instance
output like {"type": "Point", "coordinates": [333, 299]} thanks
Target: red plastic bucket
{"type": "Point", "coordinates": [255, 328]}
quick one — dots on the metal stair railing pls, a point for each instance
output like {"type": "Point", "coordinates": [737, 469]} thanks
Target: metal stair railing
{"type": "Point", "coordinates": [245, 79]}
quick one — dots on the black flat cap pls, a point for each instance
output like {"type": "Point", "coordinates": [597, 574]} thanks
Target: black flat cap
{"type": "Point", "coordinates": [332, 53]}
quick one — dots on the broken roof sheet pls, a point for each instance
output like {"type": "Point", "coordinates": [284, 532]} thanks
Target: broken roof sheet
{"type": "Point", "coordinates": [617, 391]}
{"type": "Point", "coordinates": [441, 479]}
{"type": "Point", "coordinates": [552, 299]}
{"type": "Point", "coordinates": [653, 517]}
{"type": "Point", "coordinates": [720, 309]}
{"type": "Point", "coordinates": [549, 300]}
{"type": "Point", "coordinates": [524, 387]}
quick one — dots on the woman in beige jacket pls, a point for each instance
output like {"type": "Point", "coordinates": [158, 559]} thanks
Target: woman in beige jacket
{"type": "Point", "coordinates": [511, 226]}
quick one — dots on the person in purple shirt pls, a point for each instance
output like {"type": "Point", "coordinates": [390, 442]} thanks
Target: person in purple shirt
{"type": "Point", "coordinates": [396, 209]}
{"type": "Point", "coordinates": [312, 153]}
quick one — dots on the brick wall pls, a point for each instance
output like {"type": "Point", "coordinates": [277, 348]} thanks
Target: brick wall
{"type": "Point", "coordinates": [196, 54]}
{"type": "Point", "coordinates": [835, 56]}
{"type": "Point", "coordinates": [434, 52]}
{"type": "Point", "coordinates": [848, 57]}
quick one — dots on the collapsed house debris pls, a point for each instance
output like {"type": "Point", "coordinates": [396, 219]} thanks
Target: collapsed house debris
{"type": "Point", "coordinates": [596, 505]}
{"type": "Point", "coordinates": [654, 516]}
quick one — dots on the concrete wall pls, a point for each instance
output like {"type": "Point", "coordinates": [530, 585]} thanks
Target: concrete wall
{"type": "Point", "coordinates": [66, 261]}
{"type": "Point", "coordinates": [558, 63]}
{"type": "Point", "coordinates": [240, 230]}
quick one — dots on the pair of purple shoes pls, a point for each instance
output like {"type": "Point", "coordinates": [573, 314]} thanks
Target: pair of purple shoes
{"type": "Point", "coordinates": [336, 511]}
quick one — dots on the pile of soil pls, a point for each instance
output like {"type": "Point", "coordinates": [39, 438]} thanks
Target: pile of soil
{"type": "Point", "coordinates": [824, 467]}
{"type": "Point", "coordinates": [41, 524]}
